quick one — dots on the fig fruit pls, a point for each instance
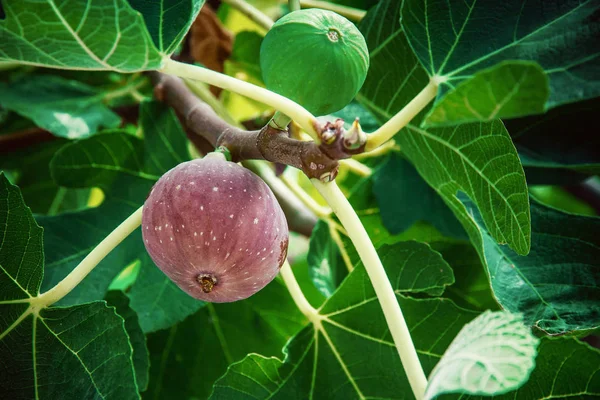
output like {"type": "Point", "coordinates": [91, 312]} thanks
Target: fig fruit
{"type": "Point", "coordinates": [215, 229]}
{"type": "Point", "coordinates": [315, 57]}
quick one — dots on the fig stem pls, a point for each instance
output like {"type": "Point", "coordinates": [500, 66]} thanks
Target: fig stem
{"type": "Point", "coordinates": [292, 284]}
{"type": "Point", "coordinates": [319, 210]}
{"type": "Point", "coordinates": [280, 121]}
{"type": "Point", "coordinates": [295, 111]}
{"type": "Point", "coordinates": [383, 288]}
{"type": "Point", "coordinates": [86, 266]}
{"type": "Point", "coordinates": [357, 167]}
{"type": "Point", "coordinates": [253, 13]}
{"type": "Point", "coordinates": [294, 5]}
{"type": "Point", "coordinates": [403, 117]}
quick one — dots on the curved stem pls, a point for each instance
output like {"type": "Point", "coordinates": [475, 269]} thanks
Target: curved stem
{"type": "Point", "coordinates": [292, 284]}
{"type": "Point", "coordinates": [86, 266]}
{"type": "Point", "coordinates": [384, 290]}
{"type": "Point", "coordinates": [253, 13]}
{"type": "Point", "coordinates": [357, 167]}
{"type": "Point", "coordinates": [295, 111]}
{"type": "Point", "coordinates": [319, 210]}
{"type": "Point", "coordinates": [400, 120]}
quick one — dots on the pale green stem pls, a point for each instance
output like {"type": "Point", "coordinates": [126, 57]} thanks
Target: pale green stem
{"type": "Point", "coordinates": [357, 167]}
{"type": "Point", "coordinates": [294, 5]}
{"type": "Point", "coordinates": [295, 111]}
{"type": "Point", "coordinates": [86, 266]}
{"type": "Point", "coordinates": [383, 289]}
{"type": "Point", "coordinates": [280, 121]}
{"type": "Point", "coordinates": [353, 14]}
{"type": "Point", "coordinates": [385, 148]}
{"type": "Point", "coordinates": [253, 13]}
{"type": "Point", "coordinates": [319, 210]}
{"type": "Point", "coordinates": [292, 284]}
{"type": "Point", "coordinates": [400, 120]}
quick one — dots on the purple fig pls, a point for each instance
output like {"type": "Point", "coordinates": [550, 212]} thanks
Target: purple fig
{"type": "Point", "coordinates": [215, 229]}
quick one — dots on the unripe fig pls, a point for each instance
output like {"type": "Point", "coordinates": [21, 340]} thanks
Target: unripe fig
{"type": "Point", "coordinates": [215, 229]}
{"type": "Point", "coordinates": [315, 57]}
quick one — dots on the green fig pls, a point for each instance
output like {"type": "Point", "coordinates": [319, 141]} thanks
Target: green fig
{"type": "Point", "coordinates": [315, 57]}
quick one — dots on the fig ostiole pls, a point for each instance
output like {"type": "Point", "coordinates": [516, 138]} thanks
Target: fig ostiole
{"type": "Point", "coordinates": [215, 229]}
{"type": "Point", "coordinates": [315, 57]}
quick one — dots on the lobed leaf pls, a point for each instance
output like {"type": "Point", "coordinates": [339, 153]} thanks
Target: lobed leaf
{"type": "Point", "coordinates": [81, 351]}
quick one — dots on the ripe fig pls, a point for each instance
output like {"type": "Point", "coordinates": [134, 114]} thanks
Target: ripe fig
{"type": "Point", "coordinates": [315, 57]}
{"type": "Point", "coordinates": [215, 229]}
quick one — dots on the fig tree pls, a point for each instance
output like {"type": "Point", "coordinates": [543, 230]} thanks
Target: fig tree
{"type": "Point", "coordinates": [215, 229]}
{"type": "Point", "coordinates": [315, 57]}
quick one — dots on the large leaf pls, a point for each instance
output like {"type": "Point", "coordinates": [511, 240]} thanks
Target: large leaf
{"type": "Point", "coordinates": [557, 286]}
{"type": "Point", "coordinates": [455, 39]}
{"type": "Point", "coordinates": [509, 89]}
{"type": "Point", "coordinates": [220, 335]}
{"type": "Point", "coordinates": [125, 167]}
{"type": "Point", "coordinates": [75, 34]}
{"type": "Point", "coordinates": [476, 158]}
{"type": "Point", "coordinates": [559, 146]}
{"type": "Point", "coordinates": [66, 108]}
{"type": "Point", "coordinates": [83, 350]}
{"type": "Point", "coordinates": [480, 160]}
{"type": "Point", "coordinates": [322, 360]}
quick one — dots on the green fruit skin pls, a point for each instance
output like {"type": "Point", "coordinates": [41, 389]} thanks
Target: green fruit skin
{"type": "Point", "coordinates": [300, 61]}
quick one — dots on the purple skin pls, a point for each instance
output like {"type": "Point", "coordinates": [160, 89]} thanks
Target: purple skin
{"type": "Point", "coordinates": [215, 229]}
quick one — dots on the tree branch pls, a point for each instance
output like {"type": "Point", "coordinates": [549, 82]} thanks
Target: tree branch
{"type": "Point", "coordinates": [204, 126]}
{"type": "Point", "coordinates": [318, 161]}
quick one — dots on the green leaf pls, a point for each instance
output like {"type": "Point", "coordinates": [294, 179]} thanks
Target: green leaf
{"type": "Point", "coordinates": [558, 147]}
{"type": "Point", "coordinates": [557, 197]}
{"type": "Point", "coordinates": [327, 268]}
{"type": "Point", "coordinates": [189, 357]}
{"type": "Point", "coordinates": [395, 75]}
{"type": "Point", "coordinates": [556, 287]}
{"type": "Point", "coordinates": [66, 108]}
{"type": "Point", "coordinates": [140, 357]}
{"type": "Point", "coordinates": [322, 360]}
{"type": "Point", "coordinates": [246, 51]}
{"type": "Point", "coordinates": [405, 198]}
{"type": "Point", "coordinates": [507, 90]}
{"type": "Point", "coordinates": [77, 35]}
{"type": "Point", "coordinates": [29, 170]}
{"type": "Point", "coordinates": [167, 21]}
{"type": "Point", "coordinates": [498, 185]}
{"type": "Point", "coordinates": [455, 39]}
{"type": "Point", "coordinates": [125, 167]}
{"type": "Point", "coordinates": [159, 302]}
{"type": "Point", "coordinates": [83, 350]}
{"type": "Point", "coordinates": [491, 355]}
{"type": "Point", "coordinates": [480, 160]}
